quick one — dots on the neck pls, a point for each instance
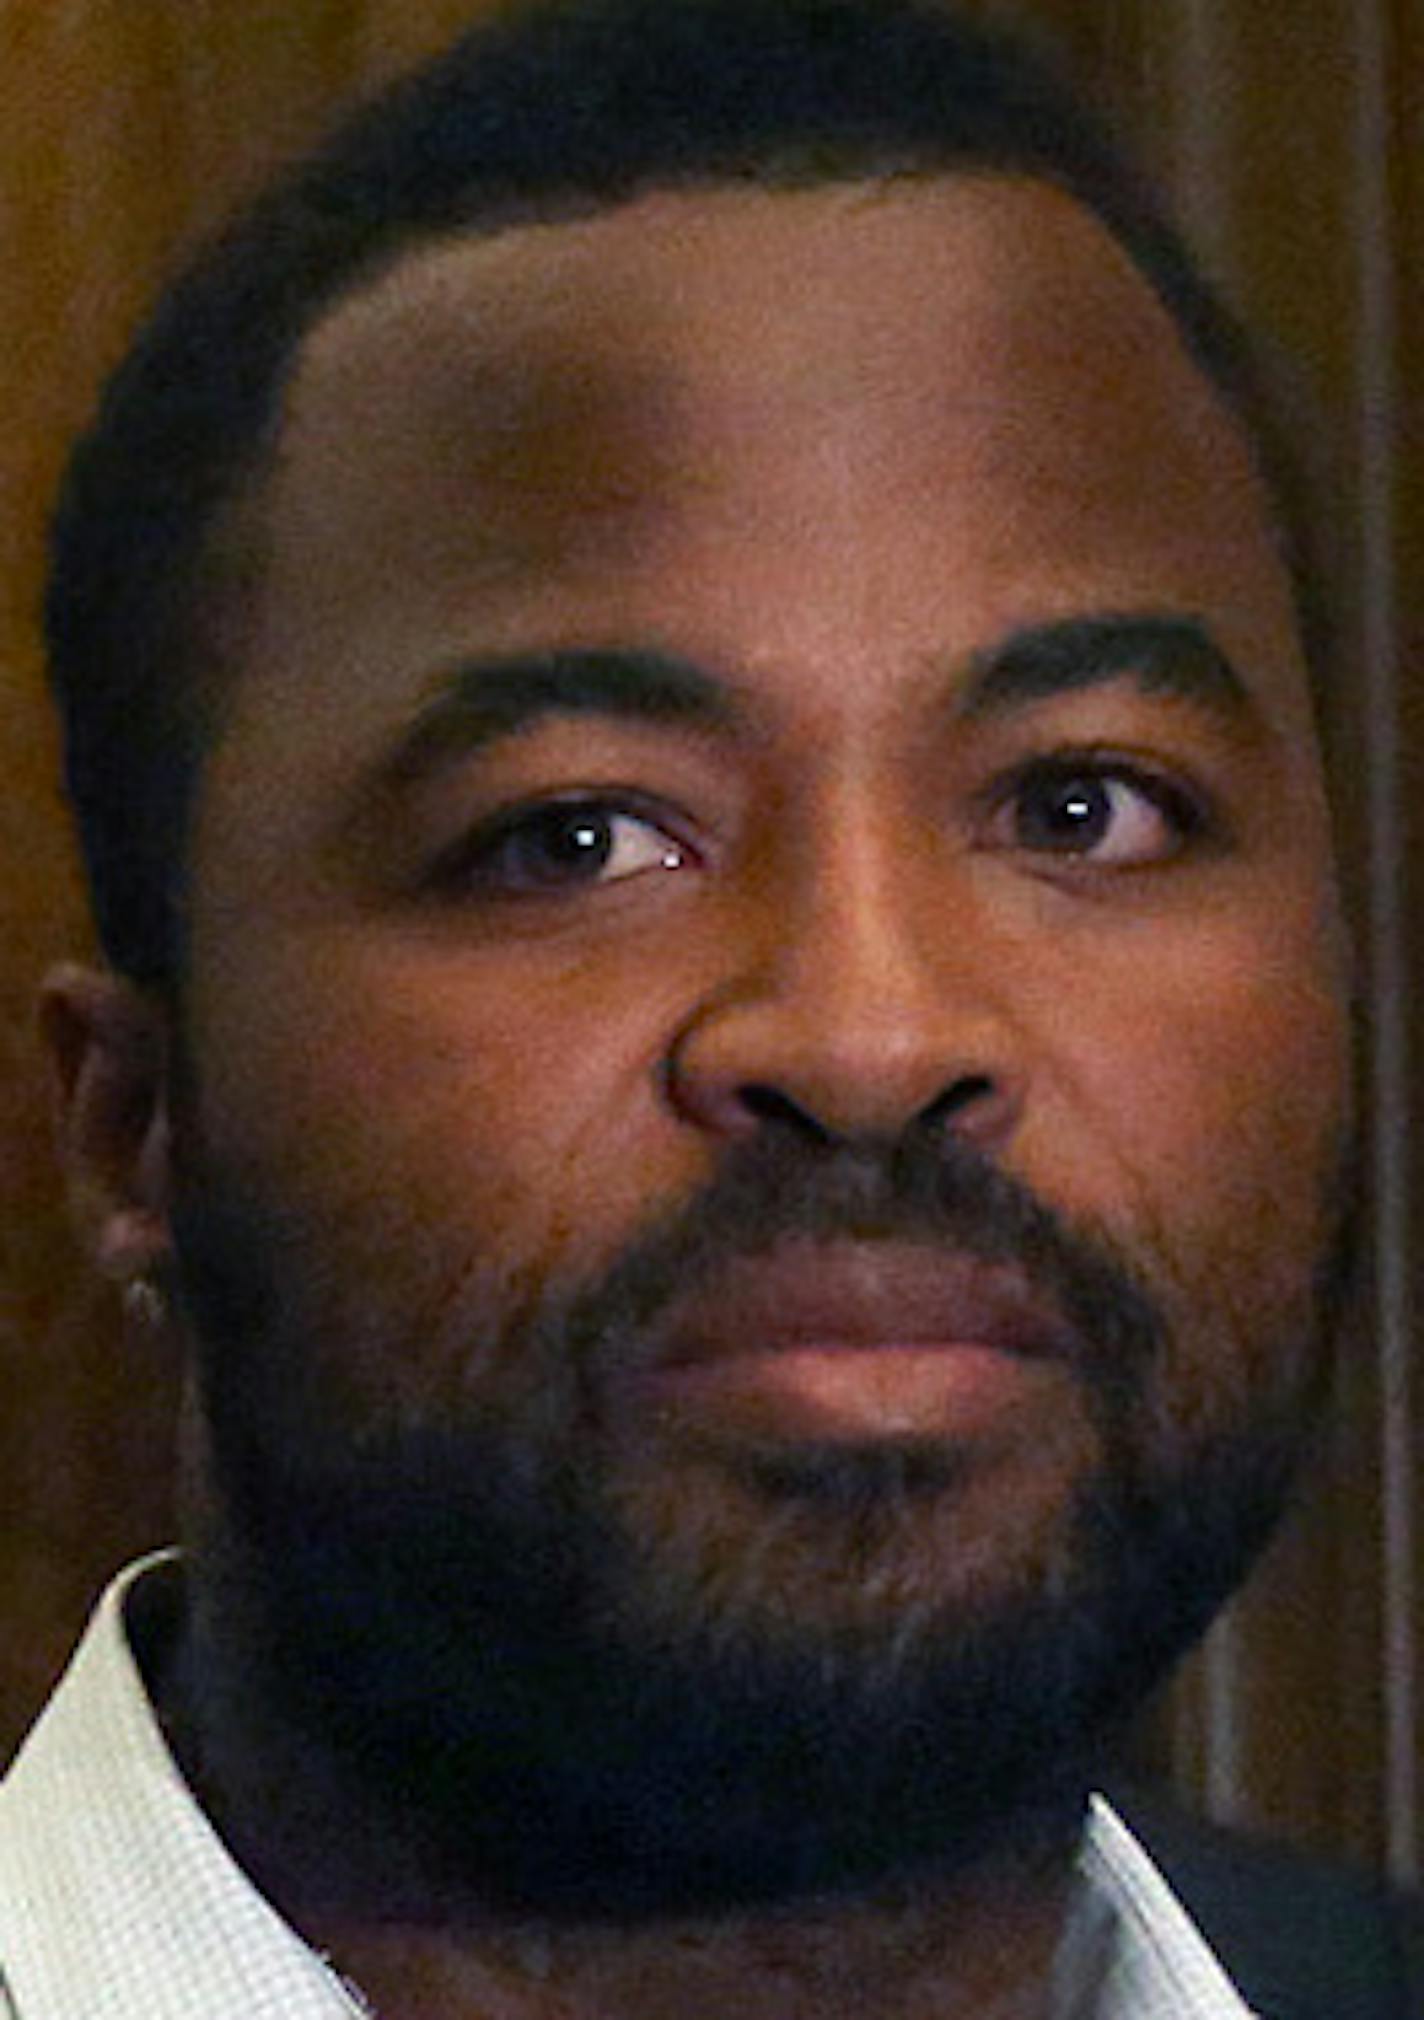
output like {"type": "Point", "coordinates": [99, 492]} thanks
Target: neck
{"type": "Point", "coordinates": [984, 1947]}
{"type": "Point", "coordinates": [932, 1944]}
{"type": "Point", "coordinates": [981, 1943]}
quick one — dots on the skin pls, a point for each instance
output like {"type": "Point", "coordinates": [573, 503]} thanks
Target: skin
{"type": "Point", "coordinates": [833, 450]}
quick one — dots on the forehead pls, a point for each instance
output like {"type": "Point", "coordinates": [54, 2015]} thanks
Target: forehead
{"type": "Point", "coordinates": [963, 375]}
{"type": "Point", "coordinates": [576, 351]}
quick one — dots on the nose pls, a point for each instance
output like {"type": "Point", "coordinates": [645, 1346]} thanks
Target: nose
{"type": "Point", "coordinates": [874, 1006]}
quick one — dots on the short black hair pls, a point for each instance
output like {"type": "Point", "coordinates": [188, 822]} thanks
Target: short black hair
{"type": "Point", "coordinates": [551, 108]}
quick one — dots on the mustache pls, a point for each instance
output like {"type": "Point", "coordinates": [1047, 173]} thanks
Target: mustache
{"type": "Point", "coordinates": [940, 1193]}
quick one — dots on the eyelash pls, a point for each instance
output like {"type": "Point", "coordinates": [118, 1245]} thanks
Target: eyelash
{"type": "Point", "coordinates": [474, 859]}
{"type": "Point", "coordinates": [1187, 812]}
{"type": "Point", "coordinates": [473, 863]}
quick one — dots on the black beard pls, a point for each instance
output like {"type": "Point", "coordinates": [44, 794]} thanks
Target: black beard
{"type": "Point", "coordinates": [473, 1623]}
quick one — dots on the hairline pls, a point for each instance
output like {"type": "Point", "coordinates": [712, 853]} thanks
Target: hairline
{"type": "Point", "coordinates": [238, 530]}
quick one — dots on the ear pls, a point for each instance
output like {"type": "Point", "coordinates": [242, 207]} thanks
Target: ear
{"type": "Point", "coordinates": [108, 1042]}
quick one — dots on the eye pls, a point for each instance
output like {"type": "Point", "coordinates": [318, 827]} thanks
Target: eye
{"type": "Point", "coordinates": [1107, 814]}
{"type": "Point", "coordinates": [566, 845]}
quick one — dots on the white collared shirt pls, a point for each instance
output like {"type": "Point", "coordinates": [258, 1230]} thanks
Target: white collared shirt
{"type": "Point", "coordinates": [118, 1900]}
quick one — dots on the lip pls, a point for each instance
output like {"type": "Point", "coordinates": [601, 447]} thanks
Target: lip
{"type": "Point", "coordinates": [859, 1341]}
{"type": "Point", "coordinates": [866, 1297]}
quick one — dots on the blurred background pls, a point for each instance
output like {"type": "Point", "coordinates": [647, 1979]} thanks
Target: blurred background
{"type": "Point", "coordinates": [1290, 139]}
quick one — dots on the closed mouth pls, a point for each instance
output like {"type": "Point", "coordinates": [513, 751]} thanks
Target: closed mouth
{"type": "Point", "coordinates": [864, 1298]}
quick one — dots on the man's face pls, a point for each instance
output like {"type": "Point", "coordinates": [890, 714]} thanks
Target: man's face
{"type": "Point", "coordinates": [765, 1007]}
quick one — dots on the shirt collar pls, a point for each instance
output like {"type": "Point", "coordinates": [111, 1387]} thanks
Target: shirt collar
{"type": "Point", "coordinates": [119, 1901]}
{"type": "Point", "coordinates": [1154, 1963]}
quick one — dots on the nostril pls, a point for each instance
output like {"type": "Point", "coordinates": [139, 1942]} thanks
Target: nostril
{"type": "Point", "coordinates": [968, 1092]}
{"type": "Point", "coordinates": [767, 1104]}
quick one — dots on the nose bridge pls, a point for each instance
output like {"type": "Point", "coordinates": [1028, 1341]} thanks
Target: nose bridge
{"type": "Point", "coordinates": [866, 993]}
{"type": "Point", "coordinates": [861, 921]}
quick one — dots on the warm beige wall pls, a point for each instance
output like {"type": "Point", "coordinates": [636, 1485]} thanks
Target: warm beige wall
{"type": "Point", "coordinates": [1286, 131]}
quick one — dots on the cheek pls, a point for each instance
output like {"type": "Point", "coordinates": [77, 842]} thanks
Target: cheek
{"type": "Point", "coordinates": [465, 1102]}
{"type": "Point", "coordinates": [1218, 1098]}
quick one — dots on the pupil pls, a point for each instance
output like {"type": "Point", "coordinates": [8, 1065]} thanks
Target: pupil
{"type": "Point", "coordinates": [1068, 814]}
{"type": "Point", "coordinates": [567, 841]}
{"type": "Point", "coordinates": [581, 840]}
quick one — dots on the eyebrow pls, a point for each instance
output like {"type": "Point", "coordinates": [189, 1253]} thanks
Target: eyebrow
{"type": "Point", "coordinates": [1163, 652]}
{"type": "Point", "coordinates": [480, 702]}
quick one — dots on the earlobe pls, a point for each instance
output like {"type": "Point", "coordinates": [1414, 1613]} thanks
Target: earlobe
{"type": "Point", "coordinates": [108, 1043]}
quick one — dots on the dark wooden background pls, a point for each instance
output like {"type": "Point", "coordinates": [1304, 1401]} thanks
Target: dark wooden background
{"type": "Point", "coordinates": [1290, 137]}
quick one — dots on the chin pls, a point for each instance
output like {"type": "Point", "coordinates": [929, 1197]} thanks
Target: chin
{"type": "Point", "coordinates": [588, 1662]}
{"type": "Point", "coordinates": [590, 1696]}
